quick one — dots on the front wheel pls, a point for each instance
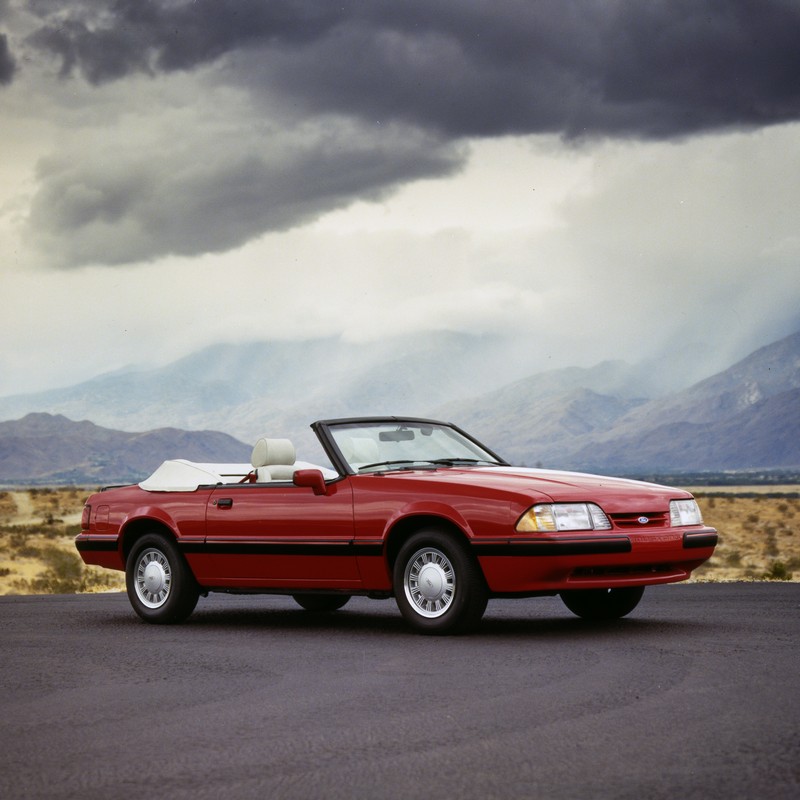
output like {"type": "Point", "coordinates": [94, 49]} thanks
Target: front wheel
{"type": "Point", "coordinates": [438, 586]}
{"type": "Point", "coordinates": [161, 588]}
{"type": "Point", "coordinates": [602, 604]}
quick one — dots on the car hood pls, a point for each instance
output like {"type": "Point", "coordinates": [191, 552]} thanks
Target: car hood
{"type": "Point", "coordinates": [554, 485]}
{"type": "Point", "coordinates": [562, 485]}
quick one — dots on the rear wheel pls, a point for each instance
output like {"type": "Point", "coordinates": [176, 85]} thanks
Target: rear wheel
{"type": "Point", "coordinates": [602, 604]}
{"type": "Point", "coordinates": [161, 587]}
{"type": "Point", "coordinates": [321, 602]}
{"type": "Point", "coordinates": [438, 586]}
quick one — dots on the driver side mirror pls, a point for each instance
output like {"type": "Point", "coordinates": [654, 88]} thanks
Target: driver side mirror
{"type": "Point", "coordinates": [311, 478]}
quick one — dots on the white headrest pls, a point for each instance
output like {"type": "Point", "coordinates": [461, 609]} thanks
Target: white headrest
{"type": "Point", "coordinates": [273, 451]}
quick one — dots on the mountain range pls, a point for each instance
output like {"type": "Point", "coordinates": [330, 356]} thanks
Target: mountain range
{"type": "Point", "coordinates": [746, 417]}
{"type": "Point", "coordinates": [613, 417]}
{"type": "Point", "coordinates": [51, 449]}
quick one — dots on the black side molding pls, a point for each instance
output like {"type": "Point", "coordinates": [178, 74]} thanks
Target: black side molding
{"type": "Point", "coordinates": [97, 545]}
{"type": "Point", "coordinates": [575, 546]}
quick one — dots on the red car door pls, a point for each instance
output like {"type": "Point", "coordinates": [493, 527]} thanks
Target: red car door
{"type": "Point", "coordinates": [278, 535]}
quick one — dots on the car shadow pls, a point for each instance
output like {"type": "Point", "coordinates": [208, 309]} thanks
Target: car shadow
{"type": "Point", "coordinates": [573, 627]}
{"type": "Point", "coordinates": [384, 618]}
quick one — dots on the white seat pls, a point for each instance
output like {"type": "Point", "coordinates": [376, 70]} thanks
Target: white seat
{"type": "Point", "coordinates": [281, 472]}
{"type": "Point", "coordinates": [273, 460]}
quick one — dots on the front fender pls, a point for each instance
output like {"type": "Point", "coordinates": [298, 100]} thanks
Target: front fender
{"type": "Point", "coordinates": [427, 508]}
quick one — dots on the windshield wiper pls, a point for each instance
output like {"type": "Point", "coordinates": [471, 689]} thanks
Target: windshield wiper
{"type": "Point", "coordinates": [451, 462]}
{"type": "Point", "coordinates": [437, 462]}
{"type": "Point", "coordinates": [387, 463]}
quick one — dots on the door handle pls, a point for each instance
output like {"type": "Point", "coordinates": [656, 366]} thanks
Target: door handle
{"type": "Point", "coordinates": [224, 502]}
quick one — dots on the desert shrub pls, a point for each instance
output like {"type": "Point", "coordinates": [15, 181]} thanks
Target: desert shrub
{"type": "Point", "coordinates": [54, 528]}
{"type": "Point", "coordinates": [18, 538]}
{"type": "Point", "coordinates": [733, 559]}
{"type": "Point", "coordinates": [18, 534]}
{"type": "Point", "coordinates": [64, 573]}
{"type": "Point", "coordinates": [777, 572]}
{"type": "Point", "coordinates": [770, 542]}
{"type": "Point", "coordinates": [771, 549]}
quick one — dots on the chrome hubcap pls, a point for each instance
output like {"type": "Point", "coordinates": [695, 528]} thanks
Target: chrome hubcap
{"type": "Point", "coordinates": [429, 582]}
{"type": "Point", "coordinates": [153, 578]}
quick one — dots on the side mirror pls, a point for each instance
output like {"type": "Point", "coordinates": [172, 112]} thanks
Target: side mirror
{"type": "Point", "coordinates": [312, 478]}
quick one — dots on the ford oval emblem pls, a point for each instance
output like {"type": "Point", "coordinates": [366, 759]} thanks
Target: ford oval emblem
{"type": "Point", "coordinates": [643, 520]}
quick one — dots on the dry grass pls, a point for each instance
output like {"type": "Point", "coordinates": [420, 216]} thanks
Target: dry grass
{"type": "Point", "coordinates": [759, 538]}
{"type": "Point", "coordinates": [759, 534]}
{"type": "Point", "coordinates": [37, 550]}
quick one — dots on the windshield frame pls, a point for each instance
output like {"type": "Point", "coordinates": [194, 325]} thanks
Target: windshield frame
{"type": "Point", "coordinates": [324, 430]}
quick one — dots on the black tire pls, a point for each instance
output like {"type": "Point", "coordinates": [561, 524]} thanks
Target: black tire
{"type": "Point", "coordinates": [602, 604]}
{"type": "Point", "coordinates": [161, 587]}
{"type": "Point", "coordinates": [320, 603]}
{"type": "Point", "coordinates": [438, 586]}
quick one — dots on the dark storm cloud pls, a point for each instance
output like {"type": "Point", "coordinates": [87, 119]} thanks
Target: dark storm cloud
{"type": "Point", "coordinates": [117, 208]}
{"type": "Point", "coordinates": [7, 64]}
{"type": "Point", "coordinates": [407, 81]}
{"type": "Point", "coordinates": [659, 68]}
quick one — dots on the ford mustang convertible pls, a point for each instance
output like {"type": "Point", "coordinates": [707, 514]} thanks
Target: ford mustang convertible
{"type": "Point", "coordinates": [413, 508]}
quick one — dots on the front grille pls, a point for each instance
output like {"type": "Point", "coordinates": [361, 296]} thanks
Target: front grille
{"type": "Point", "coordinates": [655, 519]}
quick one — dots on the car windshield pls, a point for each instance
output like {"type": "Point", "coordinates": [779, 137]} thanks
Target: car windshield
{"type": "Point", "coordinates": [380, 446]}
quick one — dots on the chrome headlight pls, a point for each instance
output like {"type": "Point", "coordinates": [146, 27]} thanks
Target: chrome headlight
{"type": "Point", "coordinates": [684, 512]}
{"type": "Point", "coordinates": [563, 517]}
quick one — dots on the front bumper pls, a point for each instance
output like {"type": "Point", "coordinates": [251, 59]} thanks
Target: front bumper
{"type": "Point", "coordinates": [558, 562]}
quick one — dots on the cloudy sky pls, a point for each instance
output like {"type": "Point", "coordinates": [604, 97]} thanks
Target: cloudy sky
{"type": "Point", "coordinates": [603, 179]}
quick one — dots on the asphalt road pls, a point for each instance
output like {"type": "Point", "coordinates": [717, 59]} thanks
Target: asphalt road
{"type": "Point", "coordinates": [696, 695]}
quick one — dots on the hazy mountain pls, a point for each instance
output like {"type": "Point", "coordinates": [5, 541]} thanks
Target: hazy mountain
{"type": "Point", "coordinates": [599, 418]}
{"type": "Point", "coordinates": [763, 435]}
{"type": "Point", "coordinates": [543, 417]}
{"type": "Point", "coordinates": [768, 371]}
{"type": "Point", "coordinates": [278, 387]}
{"type": "Point", "coordinates": [242, 389]}
{"type": "Point", "coordinates": [744, 417]}
{"type": "Point", "coordinates": [42, 448]}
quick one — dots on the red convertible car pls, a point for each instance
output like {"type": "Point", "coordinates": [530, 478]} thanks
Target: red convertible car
{"type": "Point", "coordinates": [413, 508]}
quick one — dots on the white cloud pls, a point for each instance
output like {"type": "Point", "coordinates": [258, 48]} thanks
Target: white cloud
{"type": "Point", "coordinates": [509, 184]}
{"type": "Point", "coordinates": [581, 252]}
